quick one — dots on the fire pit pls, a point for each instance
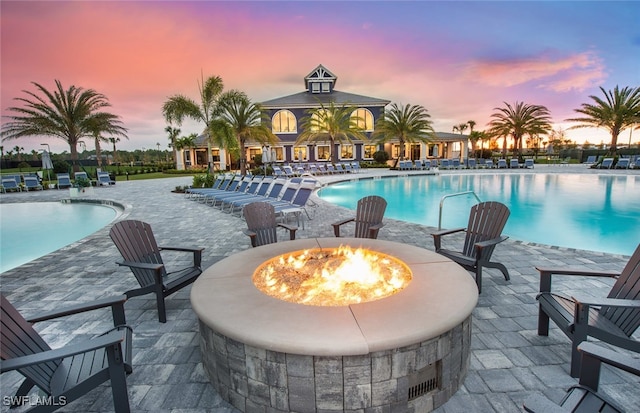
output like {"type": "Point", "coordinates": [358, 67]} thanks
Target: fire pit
{"type": "Point", "coordinates": [406, 351]}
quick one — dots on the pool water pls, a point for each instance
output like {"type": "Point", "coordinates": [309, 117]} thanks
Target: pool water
{"type": "Point", "coordinates": [591, 212]}
{"type": "Point", "coordinates": [31, 230]}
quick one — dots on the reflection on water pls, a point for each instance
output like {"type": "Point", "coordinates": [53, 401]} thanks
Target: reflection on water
{"type": "Point", "coordinates": [592, 212]}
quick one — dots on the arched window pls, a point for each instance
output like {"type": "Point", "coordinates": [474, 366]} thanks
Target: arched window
{"type": "Point", "coordinates": [284, 122]}
{"type": "Point", "coordinates": [364, 119]}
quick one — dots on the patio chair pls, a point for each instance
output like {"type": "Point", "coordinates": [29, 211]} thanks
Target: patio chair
{"type": "Point", "coordinates": [591, 159]}
{"type": "Point", "coordinates": [262, 226]}
{"type": "Point", "coordinates": [65, 374]}
{"type": "Point", "coordinates": [483, 233]}
{"type": "Point", "coordinates": [513, 163]}
{"type": "Point", "coordinates": [607, 163]}
{"type": "Point", "coordinates": [584, 397]}
{"type": "Point", "coordinates": [105, 179]}
{"type": "Point", "coordinates": [137, 245]}
{"type": "Point", "coordinates": [32, 182]}
{"type": "Point", "coordinates": [613, 319]}
{"type": "Point", "coordinates": [623, 163]}
{"type": "Point", "coordinates": [368, 219]}
{"type": "Point", "coordinates": [528, 163]}
{"type": "Point", "coordinates": [502, 164]}
{"type": "Point", "coordinates": [64, 181]}
{"type": "Point", "coordinates": [11, 183]}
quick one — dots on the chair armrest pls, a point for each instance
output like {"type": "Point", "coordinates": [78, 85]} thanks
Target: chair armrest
{"type": "Point", "coordinates": [292, 230]}
{"type": "Point", "coordinates": [141, 265]}
{"type": "Point", "coordinates": [539, 404]}
{"type": "Point", "coordinates": [483, 244]}
{"type": "Point", "coordinates": [56, 354]}
{"type": "Point", "coordinates": [438, 234]}
{"type": "Point", "coordinates": [116, 303]}
{"type": "Point", "coordinates": [611, 357]}
{"type": "Point", "coordinates": [606, 302]}
{"type": "Point", "coordinates": [185, 249]}
{"type": "Point", "coordinates": [336, 225]}
{"type": "Point", "coordinates": [546, 273]}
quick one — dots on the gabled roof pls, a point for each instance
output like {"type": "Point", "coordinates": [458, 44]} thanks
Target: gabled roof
{"type": "Point", "coordinates": [319, 74]}
{"type": "Point", "coordinates": [314, 100]}
{"type": "Point", "coordinates": [450, 137]}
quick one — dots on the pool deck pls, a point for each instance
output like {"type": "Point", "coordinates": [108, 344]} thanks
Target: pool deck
{"type": "Point", "coordinates": [509, 360]}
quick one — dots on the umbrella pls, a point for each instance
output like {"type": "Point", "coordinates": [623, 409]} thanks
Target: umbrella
{"type": "Point", "coordinates": [46, 163]}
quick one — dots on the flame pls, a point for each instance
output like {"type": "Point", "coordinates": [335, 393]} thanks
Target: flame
{"type": "Point", "coordinates": [333, 277]}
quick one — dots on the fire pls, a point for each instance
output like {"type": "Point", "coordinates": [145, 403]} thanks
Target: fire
{"type": "Point", "coordinates": [332, 277]}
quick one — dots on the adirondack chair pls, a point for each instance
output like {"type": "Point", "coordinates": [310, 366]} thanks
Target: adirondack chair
{"type": "Point", "coordinates": [67, 373]}
{"type": "Point", "coordinates": [584, 397]}
{"type": "Point", "coordinates": [138, 247]}
{"type": "Point", "coordinates": [262, 226]}
{"type": "Point", "coordinates": [368, 219]}
{"type": "Point", "coordinates": [483, 233]}
{"type": "Point", "coordinates": [613, 319]}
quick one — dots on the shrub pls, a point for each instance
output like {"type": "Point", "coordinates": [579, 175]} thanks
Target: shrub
{"type": "Point", "coordinates": [203, 181]}
{"type": "Point", "coordinates": [381, 157]}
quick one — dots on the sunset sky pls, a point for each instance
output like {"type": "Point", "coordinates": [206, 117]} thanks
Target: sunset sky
{"type": "Point", "coordinates": [460, 60]}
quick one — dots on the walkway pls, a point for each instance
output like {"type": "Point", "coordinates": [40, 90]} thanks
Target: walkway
{"type": "Point", "coordinates": [509, 360]}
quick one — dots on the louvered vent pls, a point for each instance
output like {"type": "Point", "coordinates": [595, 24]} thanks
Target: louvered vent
{"type": "Point", "coordinates": [424, 381]}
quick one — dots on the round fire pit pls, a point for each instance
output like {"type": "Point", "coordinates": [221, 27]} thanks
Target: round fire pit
{"type": "Point", "coordinates": [409, 350]}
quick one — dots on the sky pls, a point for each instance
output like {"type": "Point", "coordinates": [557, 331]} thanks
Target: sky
{"type": "Point", "coordinates": [458, 59]}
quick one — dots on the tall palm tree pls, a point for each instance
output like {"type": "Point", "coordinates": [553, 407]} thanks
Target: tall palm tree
{"type": "Point", "coordinates": [241, 122]}
{"type": "Point", "coordinates": [475, 137]}
{"type": "Point", "coordinates": [179, 107]}
{"type": "Point", "coordinates": [331, 124]}
{"type": "Point", "coordinates": [173, 135]}
{"type": "Point", "coordinates": [620, 109]}
{"type": "Point", "coordinates": [460, 128]}
{"type": "Point", "coordinates": [517, 121]}
{"type": "Point", "coordinates": [187, 142]}
{"type": "Point", "coordinates": [113, 141]}
{"type": "Point", "coordinates": [70, 115]}
{"type": "Point", "coordinates": [407, 124]}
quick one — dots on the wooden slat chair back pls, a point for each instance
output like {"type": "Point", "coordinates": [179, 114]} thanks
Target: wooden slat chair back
{"type": "Point", "coordinates": [262, 225]}
{"type": "Point", "coordinates": [368, 220]}
{"type": "Point", "coordinates": [137, 245]}
{"type": "Point", "coordinates": [483, 233]}
{"type": "Point", "coordinates": [69, 372]}
{"type": "Point", "coordinates": [613, 319]}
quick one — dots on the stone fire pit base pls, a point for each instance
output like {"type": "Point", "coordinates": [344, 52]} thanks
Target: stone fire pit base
{"type": "Point", "coordinates": [416, 378]}
{"type": "Point", "coordinates": [408, 352]}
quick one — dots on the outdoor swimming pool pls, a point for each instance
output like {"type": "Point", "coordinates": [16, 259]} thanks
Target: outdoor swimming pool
{"type": "Point", "coordinates": [591, 212]}
{"type": "Point", "coordinates": [31, 230]}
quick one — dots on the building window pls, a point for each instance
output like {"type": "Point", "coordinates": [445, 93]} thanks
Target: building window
{"type": "Point", "coordinates": [326, 87]}
{"type": "Point", "coordinates": [278, 154]}
{"type": "Point", "coordinates": [315, 87]}
{"type": "Point", "coordinates": [346, 151]}
{"type": "Point", "coordinates": [299, 153]}
{"type": "Point", "coordinates": [215, 154]}
{"type": "Point", "coordinates": [284, 122]}
{"type": "Point", "coordinates": [253, 152]}
{"type": "Point", "coordinates": [364, 119]}
{"type": "Point", "coordinates": [368, 151]}
{"type": "Point", "coordinates": [323, 152]}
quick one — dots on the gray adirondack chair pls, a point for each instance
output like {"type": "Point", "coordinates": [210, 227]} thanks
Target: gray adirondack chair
{"type": "Point", "coordinates": [483, 233]}
{"type": "Point", "coordinates": [584, 397]}
{"type": "Point", "coordinates": [137, 245]}
{"type": "Point", "coordinates": [613, 319]}
{"type": "Point", "coordinates": [67, 373]}
{"type": "Point", "coordinates": [262, 226]}
{"type": "Point", "coordinates": [368, 219]}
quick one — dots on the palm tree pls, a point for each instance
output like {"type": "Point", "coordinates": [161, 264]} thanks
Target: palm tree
{"type": "Point", "coordinates": [240, 122]}
{"type": "Point", "coordinates": [474, 137]}
{"type": "Point", "coordinates": [620, 109]}
{"type": "Point", "coordinates": [173, 135]}
{"type": "Point", "coordinates": [179, 107]}
{"type": "Point", "coordinates": [331, 124]}
{"type": "Point", "coordinates": [407, 124]}
{"type": "Point", "coordinates": [460, 128]}
{"type": "Point", "coordinates": [187, 142]}
{"type": "Point", "coordinates": [113, 141]}
{"type": "Point", "coordinates": [517, 121]}
{"type": "Point", "coordinates": [69, 115]}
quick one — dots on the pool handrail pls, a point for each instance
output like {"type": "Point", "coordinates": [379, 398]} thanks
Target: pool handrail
{"type": "Point", "coordinates": [449, 196]}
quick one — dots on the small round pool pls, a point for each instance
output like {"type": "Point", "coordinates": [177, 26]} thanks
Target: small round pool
{"type": "Point", "coordinates": [583, 211]}
{"type": "Point", "coordinates": [33, 229]}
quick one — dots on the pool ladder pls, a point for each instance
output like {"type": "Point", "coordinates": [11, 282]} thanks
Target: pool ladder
{"type": "Point", "coordinates": [449, 196]}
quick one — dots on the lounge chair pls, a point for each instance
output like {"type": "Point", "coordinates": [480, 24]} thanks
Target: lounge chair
{"type": "Point", "coordinates": [249, 188]}
{"type": "Point", "coordinates": [11, 183]}
{"type": "Point", "coordinates": [298, 203]}
{"type": "Point", "coordinates": [369, 213]}
{"type": "Point", "coordinates": [355, 166]}
{"type": "Point", "coordinates": [32, 182]}
{"type": "Point", "coordinates": [591, 159]}
{"type": "Point", "coordinates": [483, 233]}
{"type": "Point", "coordinates": [427, 164]}
{"type": "Point", "coordinates": [488, 163]}
{"type": "Point", "coordinates": [502, 163]}
{"type": "Point", "coordinates": [262, 226]}
{"type": "Point", "coordinates": [444, 164]}
{"type": "Point", "coordinates": [65, 374]}
{"type": "Point", "coordinates": [607, 163]}
{"type": "Point", "coordinates": [528, 163]}
{"type": "Point", "coordinates": [272, 192]}
{"type": "Point", "coordinates": [238, 188]}
{"type": "Point", "coordinates": [585, 397]}
{"type": "Point", "coordinates": [105, 179]}
{"type": "Point", "coordinates": [138, 247]}
{"type": "Point", "coordinates": [471, 164]}
{"type": "Point", "coordinates": [455, 163]}
{"type": "Point", "coordinates": [514, 164]}
{"type": "Point", "coordinates": [64, 181]}
{"type": "Point", "coordinates": [613, 319]}
{"type": "Point", "coordinates": [623, 163]}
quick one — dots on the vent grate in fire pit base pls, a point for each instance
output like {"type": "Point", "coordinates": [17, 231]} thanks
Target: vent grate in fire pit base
{"type": "Point", "coordinates": [424, 381]}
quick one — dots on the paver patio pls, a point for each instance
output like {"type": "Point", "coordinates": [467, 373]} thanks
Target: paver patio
{"type": "Point", "coordinates": [509, 360]}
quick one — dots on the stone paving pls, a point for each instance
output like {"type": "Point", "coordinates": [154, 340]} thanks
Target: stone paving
{"type": "Point", "coordinates": [509, 360]}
